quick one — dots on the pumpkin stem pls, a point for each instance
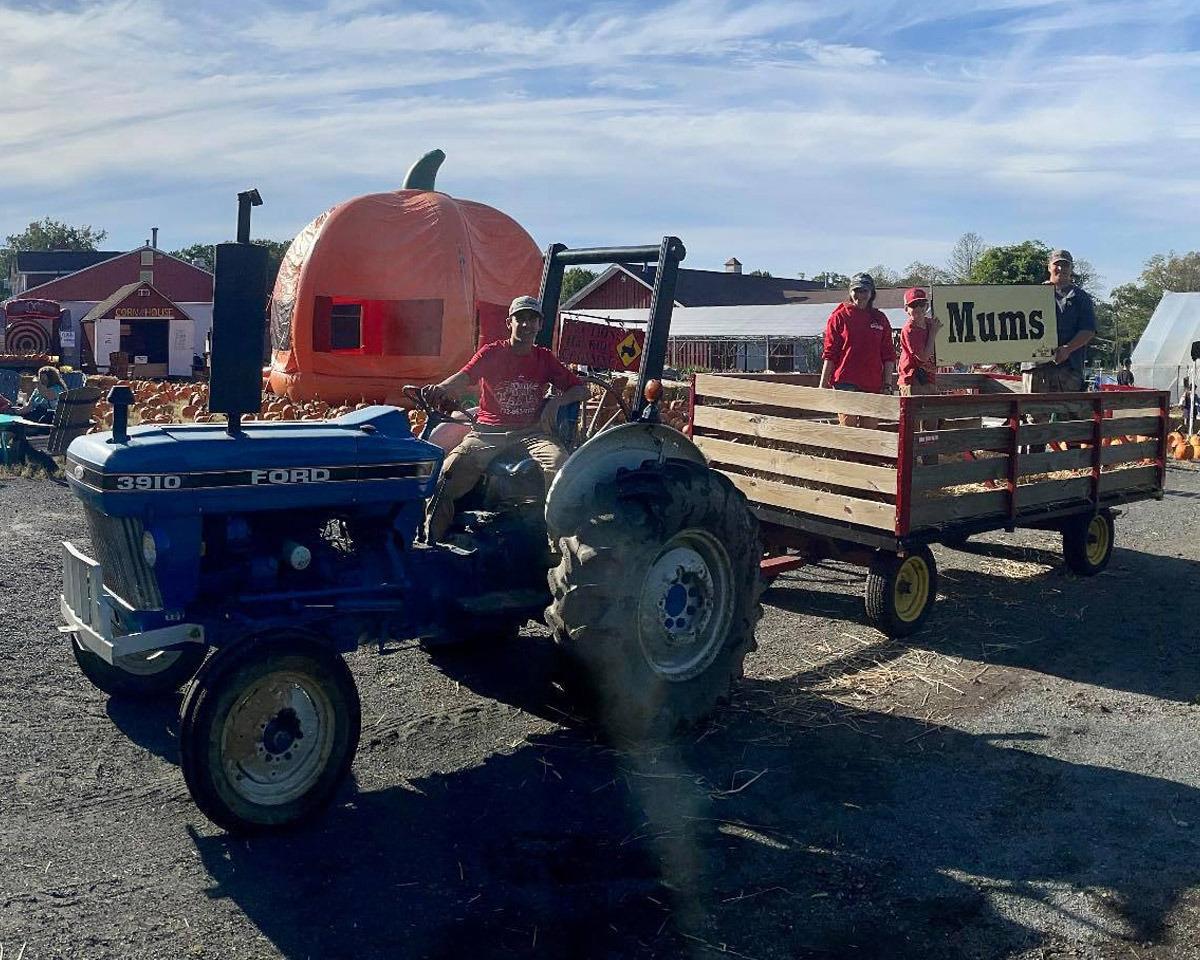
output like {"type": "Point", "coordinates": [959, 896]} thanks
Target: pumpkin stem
{"type": "Point", "coordinates": [421, 174]}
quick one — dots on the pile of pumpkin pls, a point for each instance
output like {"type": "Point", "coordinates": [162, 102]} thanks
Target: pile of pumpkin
{"type": "Point", "coordinates": [1182, 447]}
{"type": "Point", "coordinates": [673, 406]}
{"type": "Point", "coordinates": [163, 402]}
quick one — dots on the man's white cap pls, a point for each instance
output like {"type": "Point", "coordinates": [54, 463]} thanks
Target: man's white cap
{"type": "Point", "coordinates": [525, 303]}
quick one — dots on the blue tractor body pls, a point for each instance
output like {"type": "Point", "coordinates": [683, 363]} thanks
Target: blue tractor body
{"type": "Point", "coordinates": [211, 510]}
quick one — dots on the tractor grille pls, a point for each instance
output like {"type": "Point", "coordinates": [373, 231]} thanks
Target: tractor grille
{"type": "Point", "coordinates": [117, 544]}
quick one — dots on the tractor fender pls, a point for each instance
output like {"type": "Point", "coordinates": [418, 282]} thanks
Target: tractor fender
{"type": "Point", "coordinates": [625, 447]}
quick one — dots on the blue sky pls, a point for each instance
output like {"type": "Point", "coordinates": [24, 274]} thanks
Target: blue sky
{"type": "Point", "coordinates": [795, 136]}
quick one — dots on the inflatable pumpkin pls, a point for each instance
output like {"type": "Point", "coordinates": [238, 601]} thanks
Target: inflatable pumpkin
{"type": "Point", "coordinates": [394, 288]}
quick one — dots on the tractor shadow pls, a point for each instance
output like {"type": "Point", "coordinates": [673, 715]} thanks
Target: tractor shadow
{"type": "Point", "coordinates": [793, 827]}
{"type": "Point", "coordinates": [152, 724]}
{"type": "Point", "coordinates": [525, 672]}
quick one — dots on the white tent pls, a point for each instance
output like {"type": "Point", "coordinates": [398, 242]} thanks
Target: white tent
{"type": "Point", "coordinates": [1163, 355]}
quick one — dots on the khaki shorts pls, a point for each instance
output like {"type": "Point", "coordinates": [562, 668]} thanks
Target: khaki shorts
{"type": "Point", "coordinates": [1053, 378]}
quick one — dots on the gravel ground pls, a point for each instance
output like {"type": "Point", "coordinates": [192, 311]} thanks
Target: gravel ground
{"type": "Point", "coordinates": [1022, 779]}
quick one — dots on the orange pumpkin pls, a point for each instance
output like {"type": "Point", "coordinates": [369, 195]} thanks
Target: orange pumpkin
{"type": "Point", "coordinates": [1184, 452]}
{"type": "Point", "coordinates": [1174, 438]}
{"type": "Point", "coordinates": [431, 275]}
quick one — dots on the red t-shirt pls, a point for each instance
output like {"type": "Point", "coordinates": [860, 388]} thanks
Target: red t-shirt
{"type": "Point", "coordinates": [511, 386]}
{"type": "Point", "coordinates": [858, 343]}
{"type": "Point", "coordinates": [912, 342]}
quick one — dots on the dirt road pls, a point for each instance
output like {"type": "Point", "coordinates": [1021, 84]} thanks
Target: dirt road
{"type": "Point", "coordinates": [1022, 780]}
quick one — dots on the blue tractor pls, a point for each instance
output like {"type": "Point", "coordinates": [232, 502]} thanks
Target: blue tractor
{"type": "Point", "coordinates": [247, 559]}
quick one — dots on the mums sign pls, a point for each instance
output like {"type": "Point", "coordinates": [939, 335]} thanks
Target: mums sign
{"type": "Point", "coordinates": [995, 323]}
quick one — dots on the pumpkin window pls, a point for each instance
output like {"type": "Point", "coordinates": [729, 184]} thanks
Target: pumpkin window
{"type": "Point", "coordinates": [393, 328]}
{"type": "Point", "coordinates": [345, 326]}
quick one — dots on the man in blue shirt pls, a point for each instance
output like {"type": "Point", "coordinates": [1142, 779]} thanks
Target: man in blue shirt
{"type": "Point", "coordinates": [1076, 315]}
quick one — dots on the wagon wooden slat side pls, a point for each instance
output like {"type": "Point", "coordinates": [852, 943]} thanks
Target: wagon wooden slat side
{"type": "Point", "coordinates": [927, 469]}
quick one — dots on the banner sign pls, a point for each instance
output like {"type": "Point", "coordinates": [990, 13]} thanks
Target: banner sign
{"type": "Point", "coordinates": [995, 323]}
{"type": "Point", "coordinates": [600, 345]}
{"type": "Point", "coordinates": [145, 313]}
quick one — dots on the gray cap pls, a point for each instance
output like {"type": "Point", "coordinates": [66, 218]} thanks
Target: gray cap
{"type": "Point", "coordinates": [525, 303]}
{"type": "Point", "coordinates": [1056, 255]}
{"type": "Point", "coordinates": [862, 281]}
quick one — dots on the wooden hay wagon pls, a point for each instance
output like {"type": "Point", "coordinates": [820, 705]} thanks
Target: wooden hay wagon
{"type": "Point", "coordinates": [925, 470]}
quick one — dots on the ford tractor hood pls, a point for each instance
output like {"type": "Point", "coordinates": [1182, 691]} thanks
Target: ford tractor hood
{"type": "Point", "coordinates": [366, 456]}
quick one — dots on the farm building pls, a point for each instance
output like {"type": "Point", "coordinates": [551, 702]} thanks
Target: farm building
{"type": "Point", "coordinates": [155, 334]}
{"type": "Point", "coordinates": [630, 286]}
{"type": "Point", "coordinates": [185, 292]}
{"type": "Point", "coordinates": [32, 268]}
{"type": "Point", "coordinates": [727, 321]}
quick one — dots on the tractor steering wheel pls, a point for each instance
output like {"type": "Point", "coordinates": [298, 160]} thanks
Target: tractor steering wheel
{"type": "Point", "coordinates": [435, 412]}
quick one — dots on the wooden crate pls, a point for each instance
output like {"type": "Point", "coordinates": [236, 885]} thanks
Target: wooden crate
{"type": "Point", "coordinates": [777, 438]}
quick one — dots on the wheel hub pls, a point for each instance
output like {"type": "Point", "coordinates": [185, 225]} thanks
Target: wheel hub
{"type": "Point", "coordinates": [277, 738]}
{"type": "Point", "coordinates": [686, 605]}
{"type": "Point", "coordinates": [1097, 540]}
{"type": "Point", "coordinates": [912, 588]}
{"type": "Point", "coordinates": [280, 733]}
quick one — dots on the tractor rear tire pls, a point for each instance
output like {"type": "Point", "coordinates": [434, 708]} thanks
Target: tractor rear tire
{"type": "Point", "coordinates": [145, 676]}
{"type": "Point", "coordinates": [268, 732]}
{"type": "Point", "coordinates": [656, 598]}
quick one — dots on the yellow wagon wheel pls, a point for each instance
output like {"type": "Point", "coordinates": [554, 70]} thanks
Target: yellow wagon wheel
{"type": "Point", "coordinates": [1088, 542]}
{"type": "Point", "coordinates": [900, 591]}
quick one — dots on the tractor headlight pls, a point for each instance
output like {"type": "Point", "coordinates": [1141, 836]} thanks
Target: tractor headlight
{"type": "Point", "coordinates": [149, 548]}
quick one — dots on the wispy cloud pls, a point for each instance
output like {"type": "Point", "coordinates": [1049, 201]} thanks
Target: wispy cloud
{"type": "Point", "coordinates": [747, 123]}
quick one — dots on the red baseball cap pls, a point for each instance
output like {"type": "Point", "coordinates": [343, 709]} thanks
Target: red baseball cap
{"type": "Point", "coordinates": [913, 294]}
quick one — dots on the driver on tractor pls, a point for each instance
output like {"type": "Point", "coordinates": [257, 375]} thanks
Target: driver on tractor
{"type": "Point", "coordinates": [512, 375]}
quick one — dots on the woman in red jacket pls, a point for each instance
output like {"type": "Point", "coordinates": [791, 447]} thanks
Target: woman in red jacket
{"type": "Point", "coordinates": [858, 353]}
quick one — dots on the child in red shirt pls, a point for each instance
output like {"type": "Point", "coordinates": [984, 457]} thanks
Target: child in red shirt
{"type": "Point", "coordinates": [918, 346]}
{"type": "Point", "coordinates": [858, 353]}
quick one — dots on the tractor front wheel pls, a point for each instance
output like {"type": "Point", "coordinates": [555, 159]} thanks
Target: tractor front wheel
{"type": "Point", "coordinates": [140, 676]}
{"type": "Point", "coordinates": [655, 599]}
{"type": "Point", "coordinates": [268, 732]}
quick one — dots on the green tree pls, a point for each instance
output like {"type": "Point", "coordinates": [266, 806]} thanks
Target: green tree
{"type": "Point", "coordinates": [48, 234]}
{"type": "Point", "coordinates": [1131, 304]}
{"type": "Point", "coordinates": [1179, 273]}
{"type": "Point", "coordinates": [831, 278]}
{"type": "Point", "coordinates": [916, 274]}
{"type": "Point", "coordinates": [759, 273]}
{"type": "Point", "coordinates": [575, 279]}
{"type": "Point", "coordinates": [204, 255]}
{"type": "Point", "coordinates": [883, 276]}
{"type": "Point", "coordinates": [199, 254]}
{"type": "Point", "coordinates": [1025, 262]}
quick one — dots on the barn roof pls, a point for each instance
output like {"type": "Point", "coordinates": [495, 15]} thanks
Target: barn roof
{"type": "Point", "coordinates": [61, 261]}
{"type": "Point", "coordinates": [709, 288]}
